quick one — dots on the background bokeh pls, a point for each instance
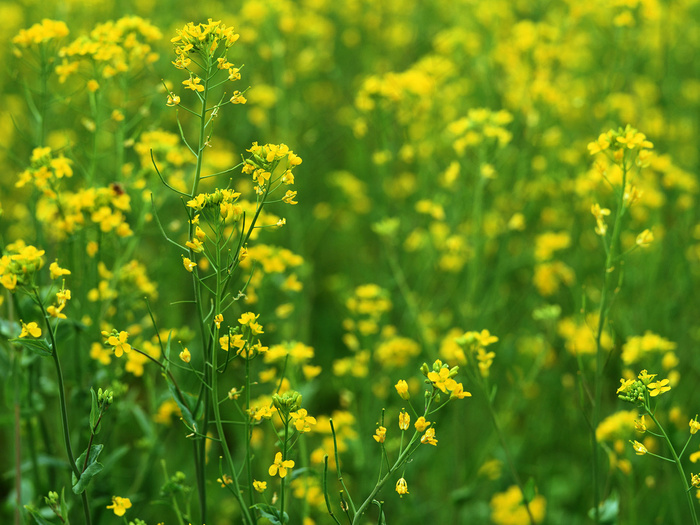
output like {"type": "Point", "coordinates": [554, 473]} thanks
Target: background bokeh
{"type": "Point", "coordinates": [445, 161]}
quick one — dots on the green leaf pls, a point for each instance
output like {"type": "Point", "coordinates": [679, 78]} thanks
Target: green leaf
{"type": "Point", "coordinates": [64, 505]}
{"type": "Point", "coordinates": [608, 511]}
{"type": "Point", "coordinates": [529, 490]}
{"type": "Point", "coordinates": [85, 478]}
{"type": "Point", "coordinates": [38, 518]}
{"type": "Point", "coordinates": [93, 468]}
{"type": "Point", "coordinates": [39, 346]}
{"type": "Point", "coordinates": [94, 412]}
{"type": "Point", "coordinates": [186, 412]}
{"type": "Point", "coordinates": [271, 513]}
{"type": "Point", "coordinates": [167, 350]}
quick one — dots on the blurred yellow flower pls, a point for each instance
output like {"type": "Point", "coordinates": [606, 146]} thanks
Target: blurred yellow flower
{"type": "Point", "coordinates": [119, 505]}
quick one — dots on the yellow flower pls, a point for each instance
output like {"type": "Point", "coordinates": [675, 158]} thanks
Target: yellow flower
{"type": "Point", "coordinates": [31, 329]}
{"type": "Point", "coordinates": [645, 238]}
{"type": "Point", "coordinates": [289, 197]}
{"type": "Point", "coordinates": [280, 466]}
{"type": "Point", "coordinates": [193, 84]}
{"type": "Point", "coordinates": [56, 312]}
{"type": "Point", "coordinates": [641, 426]}
{"type": "Point", "coordinates": [119, 344]}
{"type": "Point", "coordinates": [185, 355]}
{"type": "Point", "coordinates": [639, 448]}
{"type": "Point", "coordinates": [599, 145]}
{"type": "Point", "coordinates": [459, 392]}
{"type": "Point", "coordinates": [302, 421]}
{"type": "Point", "coordinates": [195, 245]}
{"type": "Point", "coordinates": [694, 425]}
{"type": "Point", "coordinates": [56, 271]}
{"type": "Point", "coordinates": [645, 377]}
{"type": "Point", "coordinates": [173, 100]}
{"type": "Point", "coordinates": [442, 380]}
{"type": "Point", "coordinates": [225, 480]}
{"type": "Point", "coordinates": [429, 437]}
{"type": "Point", "coordinates": [189, 265]}
{"type": "Point", "coordinates": [218, 320]}
{"type": "Point", "coordinates": [659, 387]}
{"type": "Point", "coordinates": [119, 505]}
{"type": "Point", "coordinates": [260, 486]}
{"type": "Point", "coordinates": [380, 434]}
{"type": "Point", "coordinates": [401, 486]}
{"type": "Point", "coordinates": [402, 389]}
{"type": "Point", "coordinates": [404, 420]}
{"type": "Point", "coordinates": [695, 480]}
{"type": "Point", "coordinates": [238, 98]}
{"type": "Point", "coordinates": [421, 424]}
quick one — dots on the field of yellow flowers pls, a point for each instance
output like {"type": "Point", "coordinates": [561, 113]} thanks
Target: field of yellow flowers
{"type": "Point", "coordinates": [350, 262]}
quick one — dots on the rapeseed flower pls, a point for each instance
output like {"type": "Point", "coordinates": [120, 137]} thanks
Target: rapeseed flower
{"type": "Point", "coordinates": [401, 487]}
{"type": "Point", "coordinates": [30, 329]}
{"type": "Point", "coordinates": [280, 467]}
{"type": "Point", "coordinates": [380, 434]}
{"type": "Point", "coordinates": [119, 505]}
{"type": "Point", "coordinates": [118, 342]}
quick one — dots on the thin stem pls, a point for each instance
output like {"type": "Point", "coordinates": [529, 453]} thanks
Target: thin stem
{"type": "Point", "coordinates": [285, 445]}
{"type": "Point", "coordinates": [679, 466]}
{"type": "Point", "coordinates": [248, 431]}
{"type": "Point", "coordinates": [62, 401]}
{"type": "Point", "coordinates": [506, 451]}
{"type": "Point", "coordinates": [602, 320]}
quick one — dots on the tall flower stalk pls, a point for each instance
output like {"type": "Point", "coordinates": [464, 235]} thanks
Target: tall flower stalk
{"type": "Point", "coordinates": [623, 150]}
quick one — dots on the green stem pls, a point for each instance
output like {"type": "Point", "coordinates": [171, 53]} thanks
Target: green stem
{"type": "Point", "coordinates": [285, 446]}
{"type": "Point", "coordinates": [506, 451]}
{"type": "Point", "coordinates": [248, 431]}
{"type": "Point", "coordinates": [602, 320]}
{"type": "Point", "coordinates": [62, 401]}
{"type": "Point", "coordinates": [679, 466]}
{"type": "Point", "coordinates": [215, 401]}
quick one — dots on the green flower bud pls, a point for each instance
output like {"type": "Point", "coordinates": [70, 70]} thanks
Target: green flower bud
{"type": "Point", "coordinates": [290, 401]}
{"type": "Point", "coordinates": [424, 369]}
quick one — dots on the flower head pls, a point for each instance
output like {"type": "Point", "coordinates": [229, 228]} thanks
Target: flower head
{"type": "Point", "coordinates": [302, 421]}
{"type": "Point", "coordinates": [32, 329]}
{"type": "Point", "coordinates": [639, 448]}
{"type": "Point", "coordinates": [188, 264]}
{"type": "Point", "coordinates": [119, 505]}
{"type": "Point", "coordinates": [56, 271]}
{"type": "Point", "coordinates": [694, 425]}
{"type": "Point", "coordinates": [429, 437]}
{"type": "Point", "coordinates": [380, 434]}
{"type": "Point", "coordinates": [659, 387]}
{"type": "Point", "coordinates": [118, 342]}
{"type": "Point", "coordinates": [280, 466]}
{"type": "Point", "coordinates": [401, 487]}
{"type": "Point", "coordinates": [402, 389]}
{"type": "Point", "coordinates": [404, 420]}
{"type": "Point", "coordinates": [442, 380]}
{"type": "Point", "coordinates": [421, 424]}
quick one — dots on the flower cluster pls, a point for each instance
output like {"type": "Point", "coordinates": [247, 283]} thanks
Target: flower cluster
{"type": "Point", "coordinates": [221, 204]}
{"type": "Point", "coordinates": [45, 171]}
{"type": "Point", "coordinates": [442, 378]}
{"type": "Point", "coordinates": [641, 389]}
{"type": "Point", "coordinates": [481, 125]}
{"type": "Point", "coordinates": [41, 33]}
{"type": "Point", "coordinates": [19, 264]}
{"type": "Point", "coordinates": [622, 140]}
{"type": "Point", "coordinates": [203, 39]}
{"type": "Point", "coordinates": [112, 48]}
{"type": "Point", "coordinates": [272, 163]}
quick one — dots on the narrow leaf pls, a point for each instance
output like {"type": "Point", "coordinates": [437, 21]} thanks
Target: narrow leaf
{"type": "Point", "coordinates": [38, 346]}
